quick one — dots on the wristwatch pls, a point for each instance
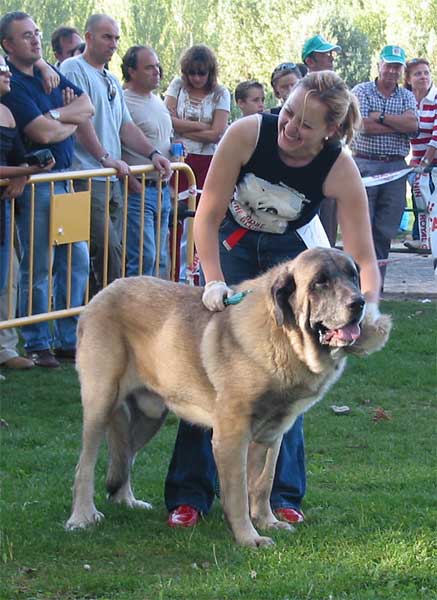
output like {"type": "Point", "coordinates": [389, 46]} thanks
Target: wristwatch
{"type": "Point", "coordinates": [55, 114]}
{"type": "Point", "coordinates": [425, 161]}
{"type": "Point", "coordinates": [104, 157]}
{"type": "Point", "coordinates": [156, 151]}
{"type": "Point", "coordinates": [381, 118]}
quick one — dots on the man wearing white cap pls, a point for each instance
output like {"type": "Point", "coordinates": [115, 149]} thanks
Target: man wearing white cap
{"type": "Point", "coordinates": [389, 121]}
{"type": "Point", "coordinates": [317, 54]}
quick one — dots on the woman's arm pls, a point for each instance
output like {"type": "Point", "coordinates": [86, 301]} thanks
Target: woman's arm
{"type": "Point", "coordinates": [182, 126]}
{"type": "Point", "coordinates": [344, 184]}
{"type": "Point", "coordinates": [215, 131]}
{"type": "Point", "coordinates": [232, 153]}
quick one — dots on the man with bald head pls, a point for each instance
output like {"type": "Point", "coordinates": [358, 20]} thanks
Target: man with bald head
{"type": "Point", "coordinates": [98, 142]}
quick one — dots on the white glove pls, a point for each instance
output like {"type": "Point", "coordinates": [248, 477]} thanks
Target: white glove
{"type": "Point", "coordinates": [214, 293]}
{"type": "Point", "coordinates": [372, 314]}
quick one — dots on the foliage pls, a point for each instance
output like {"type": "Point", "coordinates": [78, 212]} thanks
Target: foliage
{"type": "Point", "coordinates": [370, 506]}
{"type": "Point", "coordinates": [251, 37]}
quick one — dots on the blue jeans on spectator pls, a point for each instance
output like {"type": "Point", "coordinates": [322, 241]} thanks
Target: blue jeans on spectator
{"type": "Point", "coordinates": [4, 244]}
{"type": "Point", "coordinates": [150, 228]}
{"type": "Point", "coordinates": [38, 336]}
{"type": "Point", "coordinates": [192, 473]}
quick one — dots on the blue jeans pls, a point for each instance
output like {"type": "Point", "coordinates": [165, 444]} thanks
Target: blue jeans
{"type": "Point", "coordinates": [38, 336]}
{"type": "Point", "coordinates": [192, 473]}
{"type": "Point", "coordinates": [150, 227]}
{"type": "Point", "coordinates": [4, 243]}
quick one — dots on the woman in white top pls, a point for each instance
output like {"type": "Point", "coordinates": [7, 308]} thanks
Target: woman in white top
{"type": "Point", "coordinates": [199, 107]}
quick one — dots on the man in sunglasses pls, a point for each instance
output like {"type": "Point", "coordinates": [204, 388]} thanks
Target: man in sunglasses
{"type": "Point", "coordinates": [45, 121]}
{"type": "Point", "coordinates": [99, 141]}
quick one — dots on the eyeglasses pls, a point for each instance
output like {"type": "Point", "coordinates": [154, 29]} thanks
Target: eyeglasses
{"type": "Point", "coordinates": [30, 35]}
{"type": "Point", "coordinates": [4, 69]}
{"type": "Point", "coordinates": [112, 90]}
{"type": "Point", "coordinates": [199, 73]}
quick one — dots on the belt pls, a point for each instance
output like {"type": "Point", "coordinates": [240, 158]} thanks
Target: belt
{"type": "Point", "coordinates": [380, 157]}
{"type": "Point", "coordinates": [153, 183]}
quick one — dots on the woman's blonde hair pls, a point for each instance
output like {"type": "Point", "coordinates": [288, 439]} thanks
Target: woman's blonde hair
{"type": "Point", "coordinates": [342, 108]}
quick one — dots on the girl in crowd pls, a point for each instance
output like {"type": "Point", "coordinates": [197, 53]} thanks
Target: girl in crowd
{"type": "Point", "coordinates": [301, 150]}
{"type": "Point", "coordinates": [200, 108]}
{"type": "Point", "coordinates": [283, 79]}
{"type": "Point", "coordinates": [424, 146]}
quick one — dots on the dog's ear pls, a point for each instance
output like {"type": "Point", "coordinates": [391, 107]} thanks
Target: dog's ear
{"type": "Point", "coordinates": [282, 289]}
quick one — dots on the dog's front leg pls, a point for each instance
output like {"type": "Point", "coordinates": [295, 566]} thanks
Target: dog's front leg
{"type": "Point", "coordinates": [230, 453]}
{"type": "Point", "coordinates": [260, 474]}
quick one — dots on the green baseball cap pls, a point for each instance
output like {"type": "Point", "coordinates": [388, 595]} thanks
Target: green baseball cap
{"type": "Point", "coordinates": [318, 44]}
{"type": "Point", "coordinates": [393, 54]}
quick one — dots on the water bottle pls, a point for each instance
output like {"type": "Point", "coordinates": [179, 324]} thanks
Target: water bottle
{"type": "Point", "coordinates": [177, 151]}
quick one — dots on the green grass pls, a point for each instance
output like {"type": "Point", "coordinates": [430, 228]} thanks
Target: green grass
{"type": "Point", "coordinates": [371, 510]}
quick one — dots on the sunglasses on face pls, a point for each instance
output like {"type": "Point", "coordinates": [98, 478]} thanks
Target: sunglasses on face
{"type": "Point", "coordinates": [112, 90]}
{"type": "Point", "coordinates": [4, 69]}
{"type": "Point", "coordinates": [198, 72]}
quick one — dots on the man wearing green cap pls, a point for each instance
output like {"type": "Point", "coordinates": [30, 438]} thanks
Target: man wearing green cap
{"type": "Point", "coordinates": [318, 55]}
{"type": "Point", "coordinates": [389, 121]}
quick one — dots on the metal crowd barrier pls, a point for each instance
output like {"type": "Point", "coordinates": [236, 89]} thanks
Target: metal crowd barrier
{"type": "Point", "coordinates": [70, 218]}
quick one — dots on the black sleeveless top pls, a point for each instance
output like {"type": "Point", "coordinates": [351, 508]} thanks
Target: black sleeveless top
{"type": "Point", "coordinates": [11, 155]}
{"type": "Point", "coordinates": [266, 164]}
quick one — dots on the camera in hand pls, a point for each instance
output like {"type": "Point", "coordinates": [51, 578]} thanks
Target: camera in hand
{"type": "Point", "coordinates": [39, 158]}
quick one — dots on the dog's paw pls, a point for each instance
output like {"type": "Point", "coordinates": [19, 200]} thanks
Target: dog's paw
{"type": "Point", "coordinates": [374, 336]}
{"type": "Point", "coordinates": [83, 521]}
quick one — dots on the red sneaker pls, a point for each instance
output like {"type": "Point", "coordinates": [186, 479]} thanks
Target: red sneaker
{"type": "Point", "coordinates": [290, 515]}
{"type": "Point", "coordinates": [183, 516]}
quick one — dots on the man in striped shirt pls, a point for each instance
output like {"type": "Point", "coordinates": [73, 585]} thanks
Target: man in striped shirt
{"type": "Point", "coordinates": [389, 120]}
{"type": "Point", "coordinates": [424, 146]}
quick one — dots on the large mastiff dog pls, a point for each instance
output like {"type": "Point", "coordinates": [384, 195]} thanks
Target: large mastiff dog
{"type": "Point", "coordinates": [147, 345]}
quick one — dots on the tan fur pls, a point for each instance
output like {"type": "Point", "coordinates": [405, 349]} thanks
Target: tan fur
{"type": "Point", "coordinates": [147, 345]}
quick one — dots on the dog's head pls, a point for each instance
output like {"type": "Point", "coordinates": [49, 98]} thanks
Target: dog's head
{"type": "Point", "coordinates": [319, 293]}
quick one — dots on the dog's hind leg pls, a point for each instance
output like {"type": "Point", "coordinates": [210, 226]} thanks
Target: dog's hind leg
{"type": "Point", "coordinates": [260, 474]}
{"type": "Point", "coordinates": [98, 401]}
{"type": "Point", "coordinates": [129, 431]}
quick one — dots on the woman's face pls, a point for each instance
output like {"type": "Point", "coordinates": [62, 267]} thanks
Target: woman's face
{"type": "Point", "coordinates": [301, 132]}
{"type": "Point", "coordinates": [5, 77]}
{"type": "Point", "coordinates": [419, 77]}
{"type": "Point", "coordinates": [198, 76]}
{"type": "Point", "coordinates": [284, 85]}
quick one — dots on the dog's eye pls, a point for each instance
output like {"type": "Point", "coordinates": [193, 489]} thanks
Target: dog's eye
{"type": "Point", "coordinates": [320, 281]}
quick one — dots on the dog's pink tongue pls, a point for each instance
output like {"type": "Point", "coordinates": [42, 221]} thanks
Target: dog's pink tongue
{"type": "Point", "coordinates": [349, 333]}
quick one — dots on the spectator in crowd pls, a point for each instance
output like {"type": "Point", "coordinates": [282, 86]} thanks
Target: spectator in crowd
{"type": "Point", "coordinates": [44, 121]}
{"type": "Point", "coordinates": [301, 151]}
{"type": "Point", "coordinates": [13, 166]}
{"type": "Point", "coordinates": [424, 146]}
{"type": "Point", "coordinates": [283, 79]}
{"type": "Point", "coordinates": [249, 97]}
{"type": "Point", "coordinates": [64, 41]}
{"type": "Point", "coordinates": [200, 108]}
{"type": "Point", "coordinates": [389, 121]}
{"type": "Point", "coordinates": [142, 75]}
{"type": "Point", "coordinates": [318, 54]}
{"type": "Point", "coordinates": [79, 49]}
{"type": "Point", "coordinates": [98, 142]}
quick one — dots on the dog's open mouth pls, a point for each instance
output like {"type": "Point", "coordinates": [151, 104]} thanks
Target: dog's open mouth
{"type": "Point", "coordinates": [343, 336]}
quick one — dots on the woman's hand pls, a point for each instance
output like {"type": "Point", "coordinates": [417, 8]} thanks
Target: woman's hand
{"type": "Point", "coordinates": [50, 78]}
{"type": "Point", "coordinates": [15, 187]}
{"type": "Point", "coordinates": [214, 294]}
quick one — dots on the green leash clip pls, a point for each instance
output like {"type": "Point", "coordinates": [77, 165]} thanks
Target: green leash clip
{"type": "Point", "coordinates": [236, 298]}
